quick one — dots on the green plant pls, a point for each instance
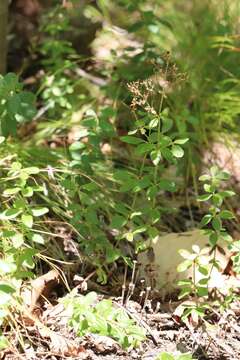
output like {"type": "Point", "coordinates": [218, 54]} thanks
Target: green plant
{"type": "Point", "coordinates": [16, 105]}
{"type": "Point", "coordinates": [156, 148]}
{"type": "Point", "coordinates": [57, 85]}
{"type": "Point", "coordinates": [20, 234]}
{"type": "Point", "coordinates": [88, 315]}
{"type": "Point", "coordinates": [201, 263]}
{"type": "Point", "coordinates": [235, 248]}
{"type": "Point", "coordinates": [110, 194]}
{"type": "Point", "coordinates": [167, 356]}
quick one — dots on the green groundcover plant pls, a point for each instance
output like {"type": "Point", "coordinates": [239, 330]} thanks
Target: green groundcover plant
{"type": "Point", "coordinates": [88, 315]}
{"type": "Point", "coordinates": [168, 356]}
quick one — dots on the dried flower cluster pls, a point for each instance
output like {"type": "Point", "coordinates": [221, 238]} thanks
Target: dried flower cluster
{"type": "Point", "coordinates": [146, 92]}
{"type": "Point", "coordinates": [142, 92]}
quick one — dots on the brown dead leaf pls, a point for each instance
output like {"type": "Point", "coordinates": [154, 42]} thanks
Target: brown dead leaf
{"type": "Point", "coordinates": [64, 346]}
{"type": "Point", "coordinates": [42, 286]}
{"type": "Point", "coordinates": [101, 344]}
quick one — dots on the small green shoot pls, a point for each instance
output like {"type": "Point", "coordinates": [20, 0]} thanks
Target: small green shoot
{"type": "Point", "coordinates": [88, 315]}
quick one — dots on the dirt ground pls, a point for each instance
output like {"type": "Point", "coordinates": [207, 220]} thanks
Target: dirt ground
{"type": "Point", "coordinates": [216, 338]}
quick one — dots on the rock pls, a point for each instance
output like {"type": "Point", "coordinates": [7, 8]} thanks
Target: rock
{"type": "Point", "coordinates": [224, 153]}
{"type": "Point", "coordinates": [158, 265]}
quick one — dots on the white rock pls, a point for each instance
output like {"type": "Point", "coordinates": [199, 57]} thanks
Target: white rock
{"type": "Point", "coordinates": [158, 265]}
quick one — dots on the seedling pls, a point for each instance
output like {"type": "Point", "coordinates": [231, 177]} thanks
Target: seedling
{"type": "Point", "coordinates": [88, 315]}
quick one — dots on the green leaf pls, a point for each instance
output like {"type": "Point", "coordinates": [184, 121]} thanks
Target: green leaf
{"type": "Point", "coordinates": [139, 230]}
{"type": "Point", "coordinates": [177, 151]}
{"type": "Point", "coordinates": [39, 211]}
{"type": "Point", "coordinates": [167, 185]}
{"type": "Point", "coordinates": [156, 156]}
{"type": "Point", "coordinates": [181, 141]}
{"type": "Point", "coordinates": [11, 191]}
{"type": "Point", "coordinates": [4, 343]}
{"type": "Point", "coordinates": [214, 170]}
{"type": "Point", "coordinates": [14, 105]}
{"type": "Point", "coordinates": [208, 188]}
{"type": "Point", "coordinates": [27, 108]}
{"type": "Point", "coordinates": [38, 239]}
{"type": "Point", "coordinates": [166, 124]}
{"type": "Point", "coordinates": [91, 216]}
{"type": "Point", "coordinates": [186, 356]}
{"type": "Point", "coordinates": [27, 192]}
{"type": "Point", "coordinates": [213, 238]}
{"type": "Point", "coordinates": [204, 197]}
{"type": "Point", "coordinates": [142, 183]}
{"type": "Point", "coordinates": [206, 219]}
{"type": "Point", "coordinates": [10, 214]}
{"type": "Point", "coordinates": [227, 193]}
{"type": "Point", "coordinates": [205, 178]}
{"type": "Point", "coordinates": [154, 215]}
{"type": "Point", "coordinates": [186, 254]}
{"type": "Point", "coordinates": [112, 254]}
{"type": "Point", "coordinates": [118, 221]}
{"type": "Point", "coordinates": [196, 249]}
{"type": "Point", "coordinates": [135, 213]}
{"type": "Point", "coordinates": [27, 220]}
{"type": "Point", "coordinates": [32, 170]}
{"type": "Point", "coordinates": [216, 223]}
{"type": "Point", "coordinates": [17, 240]}
{"type": "Point", "coordinates": [204, 281]}
{"type": "Point", "coordinates": [76, 146]}
{"type": "Point", "coordinates": [144, 148]}
{"type": "Point", "coordinates": [6, 288]}
{"type": "Point", "coordinates": [184, 292]}
{"type": "Point", "coordinates": [217, 200]}
{"type": "Point", "coordinates": [11, 82]}
{"type": "Point", "coordinates": [165, 356]}
{"type": "Point", "coordinates": [226, 214]}
{"type": "Point", "coordinates": [167, 154]}
{"type": "Point", "coordinates": [91, 186]}
{"type": "Point", "coordinates": [129, 236]}
{"type": "Point", "coordinates": [131, 140]}
{"type": "Point", "coordinates": [90, 298]}
{"type": "Point", "coordinates": [203, 270]}
{"type": "Point", "coordinates": [184, 266]}
{"type": "Point", "coordinates": [226, 237]}
{"type": "Point", "coordinates": [153, 123]}
{"type": "Point", "coordinates": [26, 257]}
{"type": "Point", "coordinates": [16, 166]}
{"type": "Point", "coordinates": [223, 175]}
{"type": "Point", "coordinates": [184, 282]}
{"type": "Point", "coordinates": [132, 132]}
{"type": "Point", "coordinates": [202, 291]}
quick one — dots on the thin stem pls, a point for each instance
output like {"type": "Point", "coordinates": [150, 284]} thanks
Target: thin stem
{"type": "Point", "coordinates": [159, 126]}
{"type": "Point", "coordinates": [213, 264]}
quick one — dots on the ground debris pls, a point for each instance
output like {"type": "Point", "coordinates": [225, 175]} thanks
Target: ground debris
{"type": "Point", "coordinates": [218, 338]}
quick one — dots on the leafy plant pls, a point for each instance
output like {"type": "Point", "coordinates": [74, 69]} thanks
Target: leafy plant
{"type": "Point", "coordinates": [167, 356]}
{"type": "Point", "coordinates": [235, 248]}
{"type": "Point", "coordinates": [88, 315]}
{"type": "Point", "coordinates": [16, 105]}
{"type": "Point", "coordinates": [156, 147]}
{"type": "Point", "coordinates": [199, 260]}
{"type": "Point", "coordinates": [19, 236]}
{"type": "Point", "coordinates": [57, 86]}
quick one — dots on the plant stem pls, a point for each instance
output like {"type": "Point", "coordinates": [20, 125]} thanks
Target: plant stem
{"type": "Point", "coordinates": [159, 126]}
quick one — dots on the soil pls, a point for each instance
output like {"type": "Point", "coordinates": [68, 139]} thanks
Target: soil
{"type": "Point", "coordinates": [216, 338]}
